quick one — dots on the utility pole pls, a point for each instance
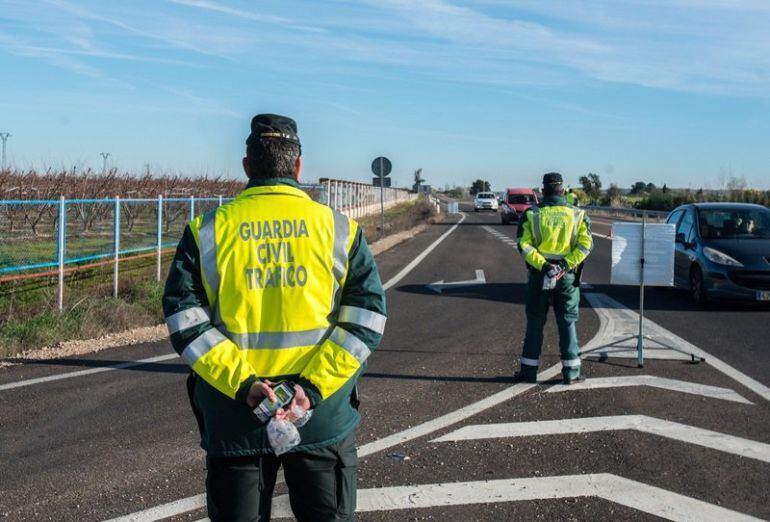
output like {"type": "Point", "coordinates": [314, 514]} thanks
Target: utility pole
{"type": "Point", "coordinates": [4, 136]}
{"type": "Point", "coordinates": [104, 156]}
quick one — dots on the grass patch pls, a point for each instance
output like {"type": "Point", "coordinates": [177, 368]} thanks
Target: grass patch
{"type": "Point", "coordinates": [397, 219]}
{"type": "Point", "coordinates": [89, 317]}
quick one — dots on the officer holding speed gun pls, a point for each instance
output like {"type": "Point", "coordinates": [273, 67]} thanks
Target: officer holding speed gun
{"type": "Point", "coordinates": [554, 238]}
{"type": "Point", "coordinates": [275, 302]}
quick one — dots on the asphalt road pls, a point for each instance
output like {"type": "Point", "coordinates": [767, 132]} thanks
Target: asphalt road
{"type": "Point", "coordinates": [445, 434]}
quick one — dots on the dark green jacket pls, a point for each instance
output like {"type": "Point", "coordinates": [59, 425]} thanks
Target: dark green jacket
{"type": "Point", "coordinates": [228, 427]}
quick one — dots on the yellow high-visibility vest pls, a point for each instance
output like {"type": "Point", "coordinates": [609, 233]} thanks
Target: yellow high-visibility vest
{"type": "Point", "coordinates": [273, 263]}
{"type": "Point", "coordinates": [555, 233]}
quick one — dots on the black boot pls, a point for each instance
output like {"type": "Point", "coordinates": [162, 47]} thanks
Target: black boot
{"type": "Point", "coordinates": [526, 374]}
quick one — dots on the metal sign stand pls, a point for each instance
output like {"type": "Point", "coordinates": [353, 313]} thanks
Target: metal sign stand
{"type": "Point", "coordinates": [640, 336]}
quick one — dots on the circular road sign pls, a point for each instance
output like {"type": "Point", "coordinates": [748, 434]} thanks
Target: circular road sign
{"type": "Point", "coordinates": [381, 166]}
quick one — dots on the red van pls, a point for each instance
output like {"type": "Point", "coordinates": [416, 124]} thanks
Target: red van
{"type": "Point", "coordinates": [516, 201]}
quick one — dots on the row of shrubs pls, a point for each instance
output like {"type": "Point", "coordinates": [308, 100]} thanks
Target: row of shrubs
{"type": "Point", "coordinates": [670, 199]}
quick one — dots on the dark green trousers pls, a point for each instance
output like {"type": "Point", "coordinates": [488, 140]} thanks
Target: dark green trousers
{"type": "Point", "coordinates": [566, 304]}
{"type": "Point", "coordinates": [321, 482]}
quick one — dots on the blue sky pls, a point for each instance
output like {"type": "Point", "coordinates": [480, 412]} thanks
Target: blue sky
{"type": "Point", "coordinates": [668, 91]}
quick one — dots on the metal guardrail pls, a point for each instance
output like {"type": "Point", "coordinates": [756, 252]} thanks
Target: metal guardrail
{"type": "Point", "coordinates": [627, 212]}
{"type": "Point", "coordinates": [359, 199]}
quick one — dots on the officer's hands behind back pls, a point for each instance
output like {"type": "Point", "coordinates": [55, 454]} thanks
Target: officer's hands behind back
{"type": "Point", "coordinates": [258, 391]}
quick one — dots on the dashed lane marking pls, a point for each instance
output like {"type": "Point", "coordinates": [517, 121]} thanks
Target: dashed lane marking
{"type": "Point", "coordinates": [712, 392]}
{"type": "Point", "coordinates": [620, 490]}
{"type": "Point", "coordinates": [499, 235]}
{"type": "Point", "coordinates": [641, 423]}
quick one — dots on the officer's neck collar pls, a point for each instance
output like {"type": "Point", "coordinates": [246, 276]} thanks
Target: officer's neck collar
{"type": "Point", "coordinates": [555, 200]}
{"type": "Point", "coordinates": [271, 182]}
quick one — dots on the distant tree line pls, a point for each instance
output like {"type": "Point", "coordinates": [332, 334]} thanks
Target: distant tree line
{"type": "Point", "coordinates": [648, 196]}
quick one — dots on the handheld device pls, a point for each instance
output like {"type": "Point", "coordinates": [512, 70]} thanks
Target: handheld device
{"type": "Point", "coordinates": [284, 393]}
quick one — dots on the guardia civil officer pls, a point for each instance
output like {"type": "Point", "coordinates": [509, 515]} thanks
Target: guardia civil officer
{"type": "Point", "coordinates": [555, 238]}
{"type": "Point", "coordinates": [571, 197]}
{"type": "Point", "coordinates": [269, 288]}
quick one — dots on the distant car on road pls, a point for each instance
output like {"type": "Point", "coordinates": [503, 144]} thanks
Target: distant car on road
{"type": "Point", "coordinates": [485, 201]}
{"type": "Point", "coordinates": [515, 202]}
{"type": "Point", "coordinates": [722, 250]}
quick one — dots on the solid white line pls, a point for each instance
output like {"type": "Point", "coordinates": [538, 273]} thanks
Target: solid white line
{"type": "Point", "coordinates": [416, 261]}
{"type": "Point", "coordinates": [166, 510]}
{"type": "Point", "coordinates": [616, 321]}
{"type": "Point", "coordinates": [603, 236]}
{"type": "Point", "coordinates": [642, 423]}
{"type": "Point", "coordinates": [713, 392]}
{"type": "Point", "coordinates": [80, 373]}
{"type": "Point", "coordinates": [637, 495]}
{"type": "Point", "coordinates": [453, 417]}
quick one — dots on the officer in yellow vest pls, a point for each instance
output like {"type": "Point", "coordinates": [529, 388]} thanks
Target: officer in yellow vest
{"type": "Point", "coordinates": [555, 238]}
{"type": "Point", "coordinates": [271, 288]}
{"type": "Point", "coordinates": [571, 197]}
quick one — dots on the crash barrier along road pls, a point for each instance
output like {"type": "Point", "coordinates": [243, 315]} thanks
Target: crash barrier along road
{"type": "Point", "coordinates": [445, 434]}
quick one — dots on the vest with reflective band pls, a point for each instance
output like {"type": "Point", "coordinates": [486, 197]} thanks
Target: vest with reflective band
{"type": "Point", "coordinates": [273, 262]}
{"type": "Point", "coordinates": [555, 229]}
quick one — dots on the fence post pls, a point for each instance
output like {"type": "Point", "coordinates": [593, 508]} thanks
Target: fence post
{"type": "Point", "coordinates": [192, 208]}
{"type": "Point", "coordinates": [116, 269]}
{"type": "Point", "coordinates": [220, 200]}
{"type": "Point", "coordinates": [62, 233]}
{"type": "Point", "coordinates": [160, 236]}
{"type": "Point", "coordinates": [329, 192]}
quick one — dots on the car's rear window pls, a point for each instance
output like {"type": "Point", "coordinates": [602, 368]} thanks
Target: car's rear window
{"type": "Point", "coordinates": [729, 223]}
{"type": "Point", "coordinates": [521, 199]}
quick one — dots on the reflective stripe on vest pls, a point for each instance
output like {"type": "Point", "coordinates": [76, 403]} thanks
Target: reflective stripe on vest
{"type": "Point", "coordinates": [575, 226]}
{"type": "Point", "coordinates": [352, 344]}
{"type": "Point", "coordinates": [201, 345]}
{"type": "Point", "coordinates": [341, 237]}
{"type": "Point", "coordinates": [536, 225]}
{"type": "Point", "coordinates": [277, 340]}
{"type": "Point", "coordinates": [187, 319]}
{"type": "Point", "coordinates": [362, 317]}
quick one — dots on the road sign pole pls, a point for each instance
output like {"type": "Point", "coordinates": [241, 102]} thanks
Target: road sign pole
{"type": "Point", "coordinates": [382, 199]}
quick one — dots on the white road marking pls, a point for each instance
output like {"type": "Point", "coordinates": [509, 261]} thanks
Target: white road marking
{"type": "Point", "coordinates": [417, 260]}
{"type": "Point", "coordinates": [713, 392]}
{"type": "Point", "coordinates": [616, 321]}
{"type": "Point", "coordinates": [642, 423]}
{"type": "Point", "coordinates": [131, 364]}
{"type": "Point", "coordinates": [81, 373]}
{"type": "Point", "coordinates": [439, 286]}
{"type": "Point", "coordinates": [199, 501]}
{"type": "Point", "coordinates": [620, 490]}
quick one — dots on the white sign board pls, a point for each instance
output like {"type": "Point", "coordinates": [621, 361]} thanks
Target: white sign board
{"type": "Point", "coordinates": [627, 254]}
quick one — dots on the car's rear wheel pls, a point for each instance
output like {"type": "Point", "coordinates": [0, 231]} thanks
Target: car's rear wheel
{"type": "Point", "coordinates": [697, 287]}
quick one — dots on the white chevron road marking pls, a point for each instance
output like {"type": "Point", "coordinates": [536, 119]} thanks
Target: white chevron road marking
{"type": "Point", "coordinates": [616, 322]}
{"type": "Point", "coordinates": [642, 423]}
{"type": "Point", "coordinates": [630, 493]}
{"type": "Point", "coordinates": [712, 392]}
